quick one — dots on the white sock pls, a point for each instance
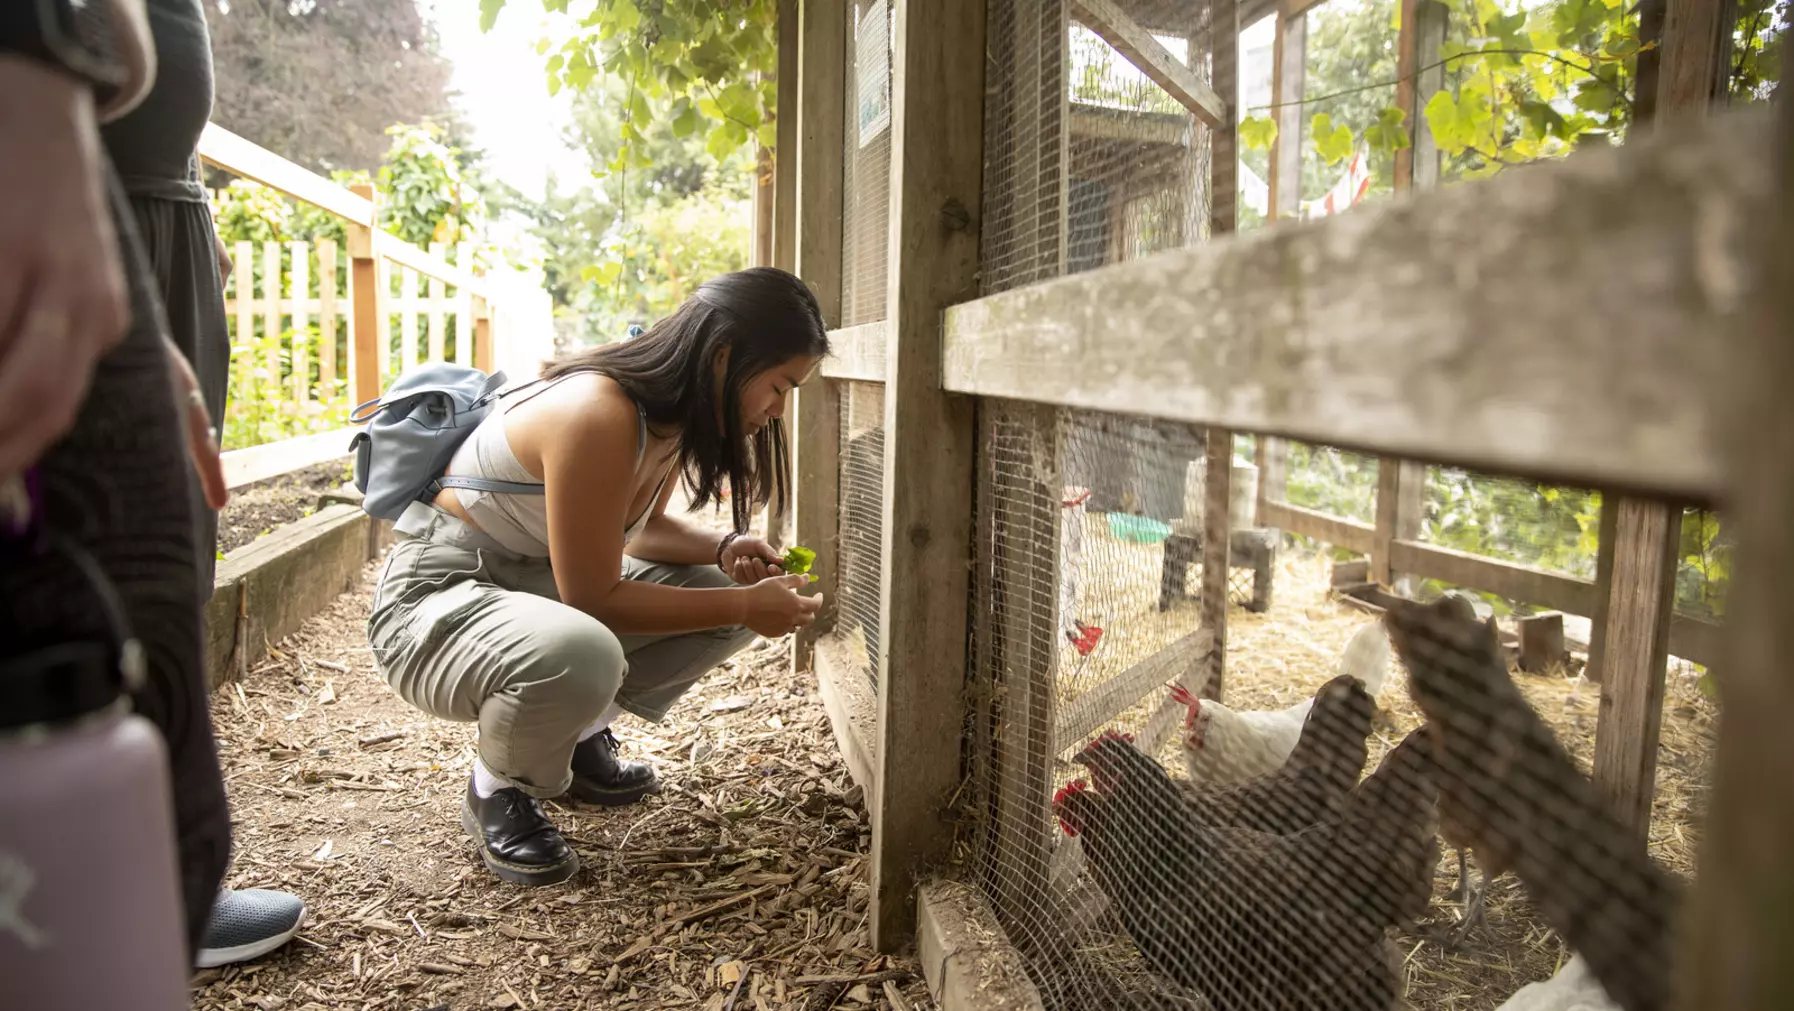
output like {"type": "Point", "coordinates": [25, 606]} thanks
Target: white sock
{"type": "Point", "coordinates": [486, 782]}
{"type": "Point", "coordinates": [602, 723]}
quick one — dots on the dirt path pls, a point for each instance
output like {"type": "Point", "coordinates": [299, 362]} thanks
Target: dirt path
{"type": "Point", "coordinates": [750, 865]}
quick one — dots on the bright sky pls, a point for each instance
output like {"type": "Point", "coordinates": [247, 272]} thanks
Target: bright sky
{"type": "Point", "coordinates": [504, 91]}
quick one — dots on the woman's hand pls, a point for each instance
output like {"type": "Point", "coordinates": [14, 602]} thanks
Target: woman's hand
{"type": "Point", "coordinates": [774, 607]}
{"type": "Point", "coordinates": [63, 300]}
{"type": "Point", "coordinates": [749, 560]}
{"type": "Point", "coordinates": [202, 442]}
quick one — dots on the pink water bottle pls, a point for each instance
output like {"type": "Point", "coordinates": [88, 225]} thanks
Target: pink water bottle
{"type": "Point", "coordinates": [90, 907]}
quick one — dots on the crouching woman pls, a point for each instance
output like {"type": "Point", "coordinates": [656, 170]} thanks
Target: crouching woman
{"type": "Point", "coordinates": [543, 614]}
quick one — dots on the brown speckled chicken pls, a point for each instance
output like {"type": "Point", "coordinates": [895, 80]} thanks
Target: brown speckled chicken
{"type": "Point", "coordinates": [1249, 919]}
{"type": "Point", "coordinates": [1517, 795]}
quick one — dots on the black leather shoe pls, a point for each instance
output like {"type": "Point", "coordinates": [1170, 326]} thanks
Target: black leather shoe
{"type": "Point", "coordinates": [516, 839]}
{"type": "Point", "coordinates": [600, 777]}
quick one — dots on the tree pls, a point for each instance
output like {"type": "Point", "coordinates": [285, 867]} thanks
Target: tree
{"type": "Point", "coordinates": [319, 81]}
{"type": "Point", "coordinates": [704, 66]}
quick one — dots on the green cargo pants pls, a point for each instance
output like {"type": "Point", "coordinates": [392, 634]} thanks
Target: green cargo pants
{"type": "Point", "coordinates": [468, 631]}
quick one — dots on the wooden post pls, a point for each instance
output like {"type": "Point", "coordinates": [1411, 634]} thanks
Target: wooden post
{"type": "Point", "coordinates": [819, 110]}
{"type": "Point", "coordinates": [407, 318]}
{"type": "Point", "coordinates": [1641, 539]}
{"type": "Point", "coordinates": [483, 351]}
{"type": "Point", "coordinates": [438, 347]}
{"type": "Point", "coordinates": [327, 368]}
{"type": "Point", "coordinates": [367, 298]}
{"type": "Point", "coordinates": [271, 314]}
{"type": "Point", "coordinates": [1017, 556]}
{"type": "Point", "coordinates": [301, 252]}
{"type": "Point", "coordinates": [1289, 56]}
{"type": "Point", "coordinates": [1401, 484]}
{"type": "Point", "coordinates": [1737, 954]}
{"type": "Point", "coordinates": [937, 106]}
{"type": "Point", "coordinates": [244, 272]}
{"type": "Point", "coordinates": [779, 528]}
{"type": "Point", "coordinates": [466, 351]}
{"type": "Point", "coordinates": [1217, 533]}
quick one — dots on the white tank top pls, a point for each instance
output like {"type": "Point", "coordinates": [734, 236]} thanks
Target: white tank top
{"type": "Point", "coordinates": [520, 522]}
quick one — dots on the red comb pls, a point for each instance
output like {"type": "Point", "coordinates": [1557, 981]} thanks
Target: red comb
{"type": "Point", "coordinates": [1181, 694]}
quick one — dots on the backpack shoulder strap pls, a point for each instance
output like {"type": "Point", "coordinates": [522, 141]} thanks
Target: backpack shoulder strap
{"type": "Point", "coordinates": [484, 484]}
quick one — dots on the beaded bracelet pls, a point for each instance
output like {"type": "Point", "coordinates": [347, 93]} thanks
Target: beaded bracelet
{"type": "Point", "coordinates": [723, 545]}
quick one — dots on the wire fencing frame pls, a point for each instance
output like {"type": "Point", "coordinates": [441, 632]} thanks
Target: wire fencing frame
{"type": "Point", "coordinates": [1553, 789]}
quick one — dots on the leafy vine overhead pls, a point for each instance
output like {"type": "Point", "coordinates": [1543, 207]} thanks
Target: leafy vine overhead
{"type": "Point", "coordinates": [1531, 83]}
{"type": "Point", "coordinates": [698, 64]}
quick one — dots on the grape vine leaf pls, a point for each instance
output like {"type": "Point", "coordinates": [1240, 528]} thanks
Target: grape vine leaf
{"type": "Point", "coordinates": [1333, 143]}
{"type": "Point", "coordinates": [1390, 131]}
{"type": "Point", "coordinates": [1258, 132]}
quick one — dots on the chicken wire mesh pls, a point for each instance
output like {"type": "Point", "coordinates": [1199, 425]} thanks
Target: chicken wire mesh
{"type": "Point", "coordinates": [1384, 810]}
{"type": "Point", "coordinates": [862, 460]}
{"type": "Point", "coordinates": [866, 165]}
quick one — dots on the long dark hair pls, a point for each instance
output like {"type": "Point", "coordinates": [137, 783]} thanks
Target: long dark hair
{"type": "Point", "coordinates": [765, 317]}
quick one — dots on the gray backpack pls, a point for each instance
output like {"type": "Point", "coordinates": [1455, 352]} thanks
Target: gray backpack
{"type": "Point", "coordinates": [413, 431]}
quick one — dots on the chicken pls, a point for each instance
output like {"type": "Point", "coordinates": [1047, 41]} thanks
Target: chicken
{"type": "Point", "coordinates": [1518, 797]}
{"type": "Point", "coordinates": [1574, 988]}
{"type": "Point", "coordinates": [1225, 747]}
{"type": "Point", "coordinates": [1249, 919]}
{"type": "Point", "coordinates": [1313, 784]}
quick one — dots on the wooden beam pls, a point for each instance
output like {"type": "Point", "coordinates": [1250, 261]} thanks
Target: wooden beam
{"type": "Point", "coordinates": [1075, 723]}
{"type": "Point", "coordinates": [259, 463]}
{"type": "Point", "coordinates": [1336, 331]}
{"type": "Point", "coordinates": [1634, 655]}
{"type": "Point", "coordinates": [937, 165]}
{"type": "Point", "coordinates": [1289, 75]}
{"type": "Point", "coordinates": [852, 709]}
{"type": "Point", "coordinates": [1736, 954]}
{"type": "Point", "coordinates": [1112, 25]}
{"type": "Point", "coordinates": [1523, 583]}
{"type": "Point", "coordinates": [858, 352]}
{"type": "Point", "coordinates": [785, 153]}
{"type": "Point", "coordinates": [1431, 20]}
{"type": "Point", "coordinates": [428, 264]}
{"type": "Point", "coordinates": [1695, 70]}
{"type": "Point", "coordinates": [816, 418]}
{"type": "Point", "coordinates": [1401, 491]}
{"type": "Point", "coordinates": [966, 958]}
{"type": "Point", "coordinates": [367, 309]}
{"type": "Point", "coordinates": [1353, 535]}
{"type": "Point", "coordinates": [238, 156]}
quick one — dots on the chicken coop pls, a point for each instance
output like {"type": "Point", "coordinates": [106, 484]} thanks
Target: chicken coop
{"type": "Point", "coordinates": [1139, 721]}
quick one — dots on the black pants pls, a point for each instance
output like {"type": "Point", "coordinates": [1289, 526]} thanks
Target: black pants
{"type": "Point", "coordinates": [121, 484]}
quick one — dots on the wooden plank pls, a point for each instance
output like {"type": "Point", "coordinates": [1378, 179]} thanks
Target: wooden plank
{"type": "Point", "coordinates": [234, 154]}
{"type": "Point", "coordinates": [405, 254]}
{"type": "Point", "coordinates": [785, 155]}
{"type": "Point", "coordinates": [1224, 198]}
{"type": "Point", "coordinates": [936, 171]}
{"type": "Point", "coordinates": [1076, 722]}
{"type": "Point", "coordinates": [1635, 656]}
{"type": "Point", "coordinates": [366, 309]}
{"type": "Point", "coordinates": [259, 463]}
{"type": "Point", "coordinates": [858, 352]}
{"type": "Point", "coordinates": [1335, 331]}
{"type": "Point", "coordinates": [1094, 122]}
{"type": "Point", "coordinates": [852, 709]}
{"type": "Point", "coordinates": [244, 273]}
{"type": "Point", "coordinates": [1431, 19]}
{"type": "Point", "coordinates": [1697, 55]}
{"type": "Point", "coordinates": [301, 305]}
{"type": "Point", "coordinates": [407, 318]}
{"type": "Point", "coordinates": [467, 352]}
{"type": "Point", "coordinates": [1539, 587]}
{"type": "Point", "coordinates": [480, 314]}
{"type": "Point", "coordinates": [1289, 60]}
{"type": "Point", "coordinates": [1736, 954]}
{"type": "Point", "coordinates": [1353, 535]}
{"type": "Point", "coordinates": [327, 368]}
{"type": "Point", "coordinates": [966, 958]}
{"type": "Point", "coordinates": [438, 347]}
{"type": "Point", "coordinates": [272, 332]}
{"type": "Point", "coordinates": [1108, 21]}
{"type": "Point", "coordinates": [1401, 490]}
{"type": "Point", "coordinates": [816, 418]}
{"type": "Point", "coordinates": [1022, 548]}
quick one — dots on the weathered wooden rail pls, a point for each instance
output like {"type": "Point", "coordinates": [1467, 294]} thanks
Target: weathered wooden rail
{"type": "Point", "coordinates": [1385, 330]}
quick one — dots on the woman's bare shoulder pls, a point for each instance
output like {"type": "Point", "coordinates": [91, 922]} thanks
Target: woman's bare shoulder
{"type": "Point", "coordinates": [583, 408]}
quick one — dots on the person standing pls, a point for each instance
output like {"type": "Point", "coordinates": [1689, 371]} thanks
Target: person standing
{"type": "Point", "coordinates": [155, 151]}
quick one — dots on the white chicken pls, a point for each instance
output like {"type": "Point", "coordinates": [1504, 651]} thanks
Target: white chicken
{"type": "Point", "coordinates": [1574, 988]}
{"type": "Point", "coordinates": [1223, 747]}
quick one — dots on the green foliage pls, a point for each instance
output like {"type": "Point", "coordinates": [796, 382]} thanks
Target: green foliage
{"type": "Point", "coordinates": [424, 197]}
{"type": "Point", "coordinates": [1332, 143]}
{"type": "Point", "coordinates": [1258, 133]}
{"type": "Point", "coordinates": [797, 560]}
{"type": "Point", "coordinates": [704, 65]}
